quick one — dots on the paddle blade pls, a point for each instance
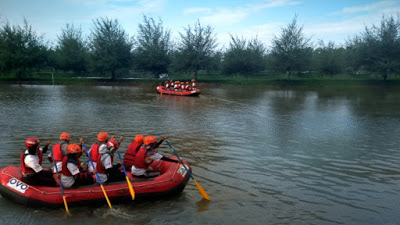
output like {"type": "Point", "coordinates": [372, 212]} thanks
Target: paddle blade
{"type": "Point", "coordinates": [105, 195]}
{"type": "Point", "coordinates": [130, 188]}
{"type": "Point", "coordinates": [65, 204]}
{"type": "Point", "coordinates": [202, 191]}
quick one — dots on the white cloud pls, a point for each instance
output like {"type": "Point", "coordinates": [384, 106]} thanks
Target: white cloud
{"type": "Point", "coordinates": [370, 7]}
{"type": "Point", "coordinates": [197, 10]}
{"type": "Point", "coordinates": [230, 16]}
{"type": "Point", "coordinates": [273, 4]}
{"type": "Point", "coordinates": [225, 17]}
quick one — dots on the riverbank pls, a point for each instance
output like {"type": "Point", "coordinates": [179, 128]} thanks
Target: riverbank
{"type": "Point", "coordinates": [235, 80]}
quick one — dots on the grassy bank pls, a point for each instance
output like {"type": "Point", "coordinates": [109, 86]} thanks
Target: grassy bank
{"type": "Point", "coordinates": [274, 80]}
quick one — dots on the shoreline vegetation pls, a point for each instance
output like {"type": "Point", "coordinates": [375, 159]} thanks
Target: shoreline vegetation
{"type": "Point", "coordinates": [109, 55]}
{"type": "Point", "coordinates": [49, 78]}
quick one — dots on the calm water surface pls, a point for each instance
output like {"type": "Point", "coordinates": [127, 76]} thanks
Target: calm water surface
{"type": "Point", "coordinates": [264, 155]}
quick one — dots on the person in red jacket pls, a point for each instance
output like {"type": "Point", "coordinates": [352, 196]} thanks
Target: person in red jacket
{"type": "Point", "coordinates": [101, 143]}
{"type": "Point", "coordinates": [107, 172]}
{"type": "Point", "coordinates": [194, 85]}
{"type": "Point", "coordinates": [72, 173]}
{"type": "Point", "coordinates": [166, 85]}
{"type": "Point", "coordinates": [31, 164]}
{"type": "Point", "coordinates": [133, 148]}
{"type": "Point", "coordinates": [146, 155]}
{"type": "Point", "coordinates": [59, 150]}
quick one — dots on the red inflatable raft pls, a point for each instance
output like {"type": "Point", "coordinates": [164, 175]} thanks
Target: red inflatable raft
{"type": "Point", "coordinates": [161, 90]}
{"type": "Point", "coordinates": [172, 180]}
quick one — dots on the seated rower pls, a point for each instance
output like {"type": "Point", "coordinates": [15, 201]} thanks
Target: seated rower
{"type": "Point", "coordinates": [146, 155]}
{"type": "Point", "coordinates": [133, 148]}
{"type": "Point", "coordinates": [31, 164]}
{"type": "Point", "coordinates": [106, 170]}
{"type": "Point", "coordinates": [73, 174]}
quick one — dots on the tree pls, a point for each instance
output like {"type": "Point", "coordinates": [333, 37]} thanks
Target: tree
{"type": "Point", "coordinates": [71, 51]}
{"type": "Point", "coordinates": [291, 51]}
{"type": "Point", "coordinates": [196, 50]}
{"type": "Point", "coordinates": [328, 58]}
{"type": "Point", "coordinates": [378, 48]}
{"type": "Point", "coordinates": [110, 47]}
{"type": "Point", "coordinates": [244, 56]}
{"type": "Point", "coordinates": [21, 49]}
{"type": "Point", "coordinates": [153, 47]}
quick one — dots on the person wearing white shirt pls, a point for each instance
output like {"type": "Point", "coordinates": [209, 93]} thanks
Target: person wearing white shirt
{"type": "Point", "coordinates": [72, 173]}
{"type": "Point", "coordinates": [105, 169]}
{"type": "Point", "coordinates": [31, 164]}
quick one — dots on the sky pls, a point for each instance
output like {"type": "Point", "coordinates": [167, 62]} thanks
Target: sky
{"type": "Point", "coordinates": [326, 20]}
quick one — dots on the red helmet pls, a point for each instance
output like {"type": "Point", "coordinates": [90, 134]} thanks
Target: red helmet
{"type": "Point", "coordinates": [31, 141]}
{"type": "Point", "coordinates": [102, 136]}
{"type": "Point", "coordinates": [73, 148]}
{"type": "Point", "coordinates": [138, 138]}
{"type": "Point", "coordinates": [64, 136]}
{"type": "Point", "coordinates": [193, 80]}
{"type": "Point", "coordinates": [149, 140]}
{"type": "Point", "coordinates": [113, 144]}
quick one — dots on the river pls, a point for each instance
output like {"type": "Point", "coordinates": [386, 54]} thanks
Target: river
{"type": "Point", "coordinates": [265, 155]}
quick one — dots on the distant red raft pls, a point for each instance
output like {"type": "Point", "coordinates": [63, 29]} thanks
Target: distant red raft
{"type": "Point", "coordinates": [172, 180]}
{"type": "Point", "coordinates": [161, 90]}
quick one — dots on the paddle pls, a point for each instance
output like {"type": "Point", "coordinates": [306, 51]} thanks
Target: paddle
{"type": "Point", "coordinates": [97, 176]}
{"type": "Point", "coordinates": [59, 181]}
{"type": "Point", "coordinates": [201, 190]}
{"type": "Point", "coordinates": [126, 176]}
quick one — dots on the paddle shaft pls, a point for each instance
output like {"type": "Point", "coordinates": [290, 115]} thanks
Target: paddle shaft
{"type": "Point", "coordinates": [97, 176]}
{"type": "Point", "coordinates": [126, 176]}
{"type": "Point", "coordinates": [176, 154]}
{"type": "Point", "coordinates": [59, 181]}
{"type": "Point", "coordinates": [201, 189]}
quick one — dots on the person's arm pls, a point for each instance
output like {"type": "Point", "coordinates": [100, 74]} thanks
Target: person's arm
{"type": "Point", "coordinates": [161, 141]}
{"type": "Point", "coordinates": [46, 147]}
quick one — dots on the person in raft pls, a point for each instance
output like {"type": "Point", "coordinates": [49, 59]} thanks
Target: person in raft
{"type": "Point", "coordinates": [194, 85]}
{"type": "Point", "coordinates": [166, 85]}
{"type": "Point", "coordinates": [101, 143]}
{"type": "Point", "coordinates": [72, 173]}
{"type": "Point", "coordinates": [105, 169]}
{"type": "Point", "coordinates": [59, 151]}
{"type": "Point", "coordinates": [146, 155]}
{"type": "Point", "coordinates": [133, 148]}
{"type": "Point", "coordinates": [187, 86]}
{"type": "Point", "coordinates": [177, 86]}
{"type": "Point", "coordinates": [31, 164]}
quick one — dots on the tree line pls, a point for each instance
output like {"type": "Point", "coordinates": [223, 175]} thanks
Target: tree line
{"type": "Point", "coordinates": [110, 51]}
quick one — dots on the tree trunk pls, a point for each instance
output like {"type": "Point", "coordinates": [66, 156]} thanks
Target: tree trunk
{"type": "Point", "coordinates": [113, 75]}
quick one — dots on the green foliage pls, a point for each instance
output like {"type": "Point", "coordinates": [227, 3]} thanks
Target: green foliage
{"type": "Point", "coordinates": [196, 50]}
{"type": "Point", "coordinates": [291, 51]}
{"type": "Point", "coordinates": [110, 47]}
{"type": "Point", "coordinates": [153, 47]}
{"type": "Point", "coordinates": [244, 57]}
{"type": "Point", "coordinates": [71, 52]}
{"type": "Point", "coordinates": [377, 49]}
{"type": "Point", "coordinates": [329, 59]}
{"type": "Point", "coordinates": [21, 49]}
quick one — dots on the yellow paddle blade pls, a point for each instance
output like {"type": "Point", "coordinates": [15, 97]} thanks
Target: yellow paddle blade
{"type": "Point", "coordinates": [202, 191]}
{"type": "Point", "coordinates": [105, 195]}
{"type": "Point", "coordinates": [65, 204]}
{"type": "Point", "coordinates": [130, 188]}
